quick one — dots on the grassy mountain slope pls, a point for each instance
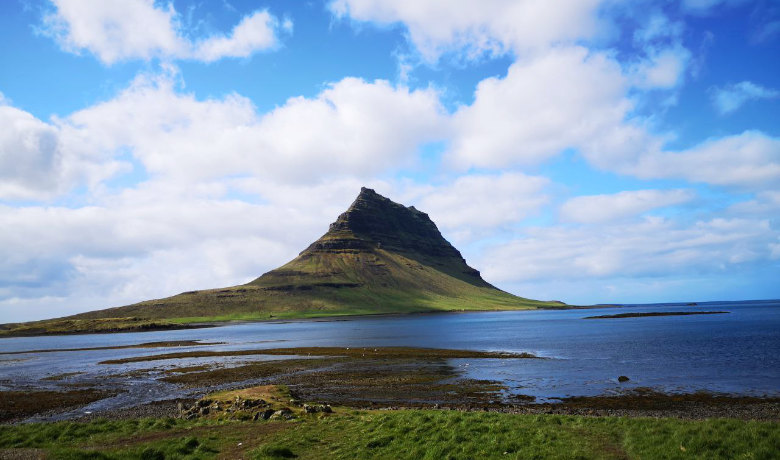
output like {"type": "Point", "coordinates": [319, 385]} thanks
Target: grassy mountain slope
{"type": "Point", "coordinates": [378, 257]}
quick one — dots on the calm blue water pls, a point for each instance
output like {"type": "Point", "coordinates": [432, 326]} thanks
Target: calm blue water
{"type": "Point", "coordinates": [731, 353]}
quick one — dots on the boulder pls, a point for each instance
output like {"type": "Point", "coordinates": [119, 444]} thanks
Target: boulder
{"type": "Point", "coordinates": [283, 414]}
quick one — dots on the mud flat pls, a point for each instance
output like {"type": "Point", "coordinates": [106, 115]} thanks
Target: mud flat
{"type": "Point", "coordinates": [351, 352]}
{"type": "Point", "coordinates": [17, 405]}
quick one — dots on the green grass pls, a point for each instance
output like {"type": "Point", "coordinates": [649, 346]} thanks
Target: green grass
{"type": "Point", "coordinates": [83, 326]}
{"type": "Point", "coordinates": [404, 435]}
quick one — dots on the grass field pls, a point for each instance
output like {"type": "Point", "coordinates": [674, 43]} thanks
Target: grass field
{"type": "Point", "coordinates": [420, 434]}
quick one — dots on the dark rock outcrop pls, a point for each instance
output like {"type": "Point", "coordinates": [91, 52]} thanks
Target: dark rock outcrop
{"type": "Point", "coordinates": [374, 222]}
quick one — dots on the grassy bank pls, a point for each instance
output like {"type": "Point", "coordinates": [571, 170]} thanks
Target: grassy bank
{"type": "Point", "coordinates": [69, 326]}
{"type": "Point", "coordinates": [417, 434]}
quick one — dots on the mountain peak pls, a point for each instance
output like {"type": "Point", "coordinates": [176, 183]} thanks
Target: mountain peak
{"type": "Point", "coordinates": [377, 257]}
{"type": "Point", "coordinates": [374, 222]}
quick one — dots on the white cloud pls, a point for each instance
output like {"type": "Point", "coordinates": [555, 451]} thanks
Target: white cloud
{"type": "Point", "coordinates": [766, 203]}
{"type": "Point", "coordinates": [607, 208]}
{"type": "Point", "coordinates": [565, 99]}
{"type": "Point", "coordinates": [482, 201]}
{"type": "Point", "coordinates": [663, 68]}
{"type": "Point", "coordinates": [115, 30]}
{"type": "Point", "coordinates": [475, 205]}
{"type": "Point", "coordinates": [664, 59]}
{"type": "Point", "coordinates": [657, 28]}
{"type": "Point", "coordinates": [750, 160]}
{"type": "Point", "coordinates": [352, 127]}
{"type": "Point", "coordinates": [254, 32]}
{"type": "Point", "coordinates": [574, 99]}
{"type": "Point", "coordinates": [652, 247]}
{"type": "Point", "coordinates": [478, 28]}
{"type": "Point", "coordinates": [38, 160]}
{"type": "Point", "coordinates": [29, 154]}
{"type": "Point", "coordinates": [730, 98]}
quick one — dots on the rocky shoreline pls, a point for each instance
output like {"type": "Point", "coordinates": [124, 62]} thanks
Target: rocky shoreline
{"type": "Point", "coordinates": [767, 409]}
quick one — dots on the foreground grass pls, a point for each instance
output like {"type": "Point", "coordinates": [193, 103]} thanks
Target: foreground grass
{"type": "Point", "coordinates": [402, 434]}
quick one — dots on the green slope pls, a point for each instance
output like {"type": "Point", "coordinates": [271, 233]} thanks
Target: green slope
{"type": "Point", "coordinates": [378, 257]}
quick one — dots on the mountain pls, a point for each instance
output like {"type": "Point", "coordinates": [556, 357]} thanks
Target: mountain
{"type": "Point", "coordinates": [377, 257]}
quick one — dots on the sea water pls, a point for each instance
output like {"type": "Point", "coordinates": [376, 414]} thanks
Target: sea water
{"type": "Point", "coordinates": [734, 353]}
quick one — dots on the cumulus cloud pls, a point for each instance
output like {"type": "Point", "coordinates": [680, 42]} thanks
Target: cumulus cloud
{"type": "Point", "coordinates": [592, 209]}
{"type": "Point", "coordinates": [571, 98]}
{"type": "Point", "coordinates": [115, 30]}
{"type": "Point", "coordinates": [352, 127]}
{"type": "Point", "coordinates": [565, 99]}
{"type": "Point", "coordinates": [257, 31]}
{"type": "Point", "coordinates": [478, 28]}
{"type": "Point", "coordinates": [38, 160]}
{"type": "Point", "coordinates": [730, 98]}
{"type": "Point", "coordinates": [29, 154]}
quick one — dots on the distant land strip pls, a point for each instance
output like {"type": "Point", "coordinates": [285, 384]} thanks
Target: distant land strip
{"type": "Point", "coordinates": [175, 343]}
{"type": "Point", "coordinates": [350, 352]}
{"type": "Point", "coordinates": [656, 313]}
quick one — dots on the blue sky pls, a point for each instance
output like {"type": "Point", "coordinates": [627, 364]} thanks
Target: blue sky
{"type": "Point", "coordinates": [582, 150]}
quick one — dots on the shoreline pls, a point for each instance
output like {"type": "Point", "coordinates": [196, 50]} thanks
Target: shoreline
{"type": "Point", "coordinates": [682, 406]}
{"type": "Point", "coordinates": [5, 334]}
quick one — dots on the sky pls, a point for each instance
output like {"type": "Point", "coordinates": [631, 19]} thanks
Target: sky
{"type": "Point", "coordinates": [588, 151]}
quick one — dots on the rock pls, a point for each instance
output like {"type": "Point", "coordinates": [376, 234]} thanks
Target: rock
{"type": "Point", "coordinates": [283, 413]}
{"type": "Point", "coordinates": [313, 409]}
{"type": "Point", "coordinates": [266, 414]}
{"type": "Point", "coordinates": [204, 411]}
{"type": "Point", "coordinates": [623, 378]}
{"type": "Point", "coordinates": [204, 403]}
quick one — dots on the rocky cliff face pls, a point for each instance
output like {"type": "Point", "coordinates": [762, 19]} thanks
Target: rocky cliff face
{"type": "Point", "coordinates": [374, 222]}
